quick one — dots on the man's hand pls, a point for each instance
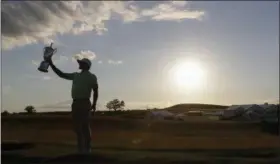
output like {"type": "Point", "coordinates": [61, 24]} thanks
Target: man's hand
{"type": "Point", "coordinates": [49, 60]}
{"type": "Point", "coordinates": [93, 107]}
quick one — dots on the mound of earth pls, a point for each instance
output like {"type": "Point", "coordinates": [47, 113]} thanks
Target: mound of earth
{"type": "Point", "coordinates": [187, 107]}
{"type": "Point", "coordinates": [80, 158]}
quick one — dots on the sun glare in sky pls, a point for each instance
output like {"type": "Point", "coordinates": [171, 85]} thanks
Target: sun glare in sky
{"type": "Point", "coordinates": [188, 74]}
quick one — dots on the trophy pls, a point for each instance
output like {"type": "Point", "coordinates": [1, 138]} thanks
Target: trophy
{"type": "Point", "coordinates": [48, 53]}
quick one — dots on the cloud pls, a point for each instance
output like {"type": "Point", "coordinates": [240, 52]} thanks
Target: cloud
{"type": "Point", "coordinates": [29, 22]}
{"type": "Point", "coordinates": [171, 11]}
{"type": "Point", "coordinates": [147, 105]}
{"type": "Point", "coordinates": [36, 63]}
{"type": "Point", "coordinates": [85, 54]}
{"type": "Point", "coordinates": [35, 77]}
{"type": "Point", "coordinates": [59, 59]}
{"type": "Point", "coordinates": [179, 3]}
{"type": "Point", "coordinates": [117, 62]}
{"type": "Point", "coordinates": [62, 57]}
{"type": "Point", "coordinates": [100, 62]}
{"type": "Point", "coordinates": [46, 77]}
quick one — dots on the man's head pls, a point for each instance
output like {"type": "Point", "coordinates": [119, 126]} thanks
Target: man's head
{"type": "Point", "coordinates": [84, 64]}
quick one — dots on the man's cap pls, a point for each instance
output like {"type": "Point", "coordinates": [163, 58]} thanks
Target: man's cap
{"type": "Point", "coordinates": [85, 60]}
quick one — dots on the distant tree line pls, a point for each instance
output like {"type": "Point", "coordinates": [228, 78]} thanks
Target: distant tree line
{"type": "Point", "coordinates": [5, 113]}
{"type": "Point", "coordinates": [115, 105]}
{"type": "Point", "coordinates": [28, 110]}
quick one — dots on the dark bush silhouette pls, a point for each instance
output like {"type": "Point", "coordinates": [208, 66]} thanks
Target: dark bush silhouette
{"type": "Point", "coordinates": [5, 113]}
{"type": "Point", "coordinates": [30, 109]}
{"type": "Point", "coordinates": [115, 104]}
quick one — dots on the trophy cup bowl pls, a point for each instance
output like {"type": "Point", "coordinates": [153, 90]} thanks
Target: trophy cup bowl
{"type": "Point", "coordinates": [44, 65]}
{"type": "Point", "coordinates": [48, 53]}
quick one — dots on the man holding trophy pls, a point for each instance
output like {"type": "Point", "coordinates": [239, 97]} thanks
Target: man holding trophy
{"type": "Point", "coordinates": [82, 85]}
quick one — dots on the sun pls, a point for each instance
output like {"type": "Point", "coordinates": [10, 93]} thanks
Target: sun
{"type": "Point", "coordinates": [189, 75]}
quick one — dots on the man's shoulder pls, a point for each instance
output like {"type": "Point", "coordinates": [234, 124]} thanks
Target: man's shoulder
{"type": "Point", "coordinates": [74, 73]}
{"type": "Point", "coordinates": [93, 75]}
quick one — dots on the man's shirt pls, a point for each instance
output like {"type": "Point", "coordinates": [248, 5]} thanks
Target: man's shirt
{"type": "Point", "coordinates": [82, 84]}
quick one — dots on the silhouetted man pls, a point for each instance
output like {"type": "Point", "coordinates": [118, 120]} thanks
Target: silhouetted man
{"type": "Point", "coordinates": [82, 85]}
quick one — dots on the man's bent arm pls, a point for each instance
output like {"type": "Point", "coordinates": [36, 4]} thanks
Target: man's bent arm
{"type": "Point", "coordinates": [68, 76]}
{"type": "Point", "coordinates": [95, 96]}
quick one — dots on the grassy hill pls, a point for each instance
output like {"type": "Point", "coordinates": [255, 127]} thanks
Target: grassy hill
{"type": "Point", "coordinates": [121, 113]}
{"type": "Point", "coordinates": [120, 136]}
{"type": "Point", "coordinates": [187, 107]}
{"type": "Point", "coordinates": [179, 108]}
{"type": "Point", "coordinates": [115, 137]}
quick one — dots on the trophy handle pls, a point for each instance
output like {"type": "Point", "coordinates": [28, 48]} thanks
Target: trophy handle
{"type": "Point", "coordinates": [54, 50]}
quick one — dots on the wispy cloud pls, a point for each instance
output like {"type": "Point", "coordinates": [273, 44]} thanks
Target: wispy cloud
{"type": "Point", "coordinates": [117, 62]}
{"type": "Point", "coordinates": [59, 59]}
{"type": "Point", "coordinates": [147, 105]}
{"type": "Point", "coordinates": [46, 77]}
{"type": "Point", "coordinates": [85, 54]}
{"type": "Point", "coordinates": [28, 22]}
{"type": "Point", "coordinates": [36, 63]}
{"type": "Point", "coordinates": [171, 11]}
{"type": "Point", "coordinates": [67, 104]}
{"type": "Point", "coordinates": [35, 77]}
{"type": "Point", "coordinates": [100, 62]}
{"type": "Point", "coordinates": [179, 3]}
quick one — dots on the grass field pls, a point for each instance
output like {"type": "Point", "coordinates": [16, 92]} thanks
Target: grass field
{"type": "Point", "coordinates": [124, 139]}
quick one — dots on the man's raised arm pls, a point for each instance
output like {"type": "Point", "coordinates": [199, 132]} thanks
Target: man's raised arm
{"type": "Point", "coordinates": [67, 76]}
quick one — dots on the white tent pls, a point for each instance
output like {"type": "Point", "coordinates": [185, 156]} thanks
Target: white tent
{"type": "Point", "coordinates": [180, 116]}
{"type": "Point", "coordinates": [251, 112]}
{"type": "Point", "coordinates": [270, 107]}
{"type": "Point", "coordinates": [195, 113]}
{"type": "Point", "coordinates": [255, 108]}
{"type": "Point", "coordinates": [232, 111]}
{"type": "Point", "coordinates": [271, 111]}
{"type": "Point", "coordinates": [267, 106]}
{"type": "Point", "coordinates": [159, 115]}
{"type": "Point", "coordinates": [166, 113]}
{"type": "Point", "coordinates": [216, 113]}
{"type": "Point", "coordinates": [253, 116]}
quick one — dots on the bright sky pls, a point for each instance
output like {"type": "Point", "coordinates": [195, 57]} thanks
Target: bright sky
{"type": "Point", "coordinates": [137, 47]}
